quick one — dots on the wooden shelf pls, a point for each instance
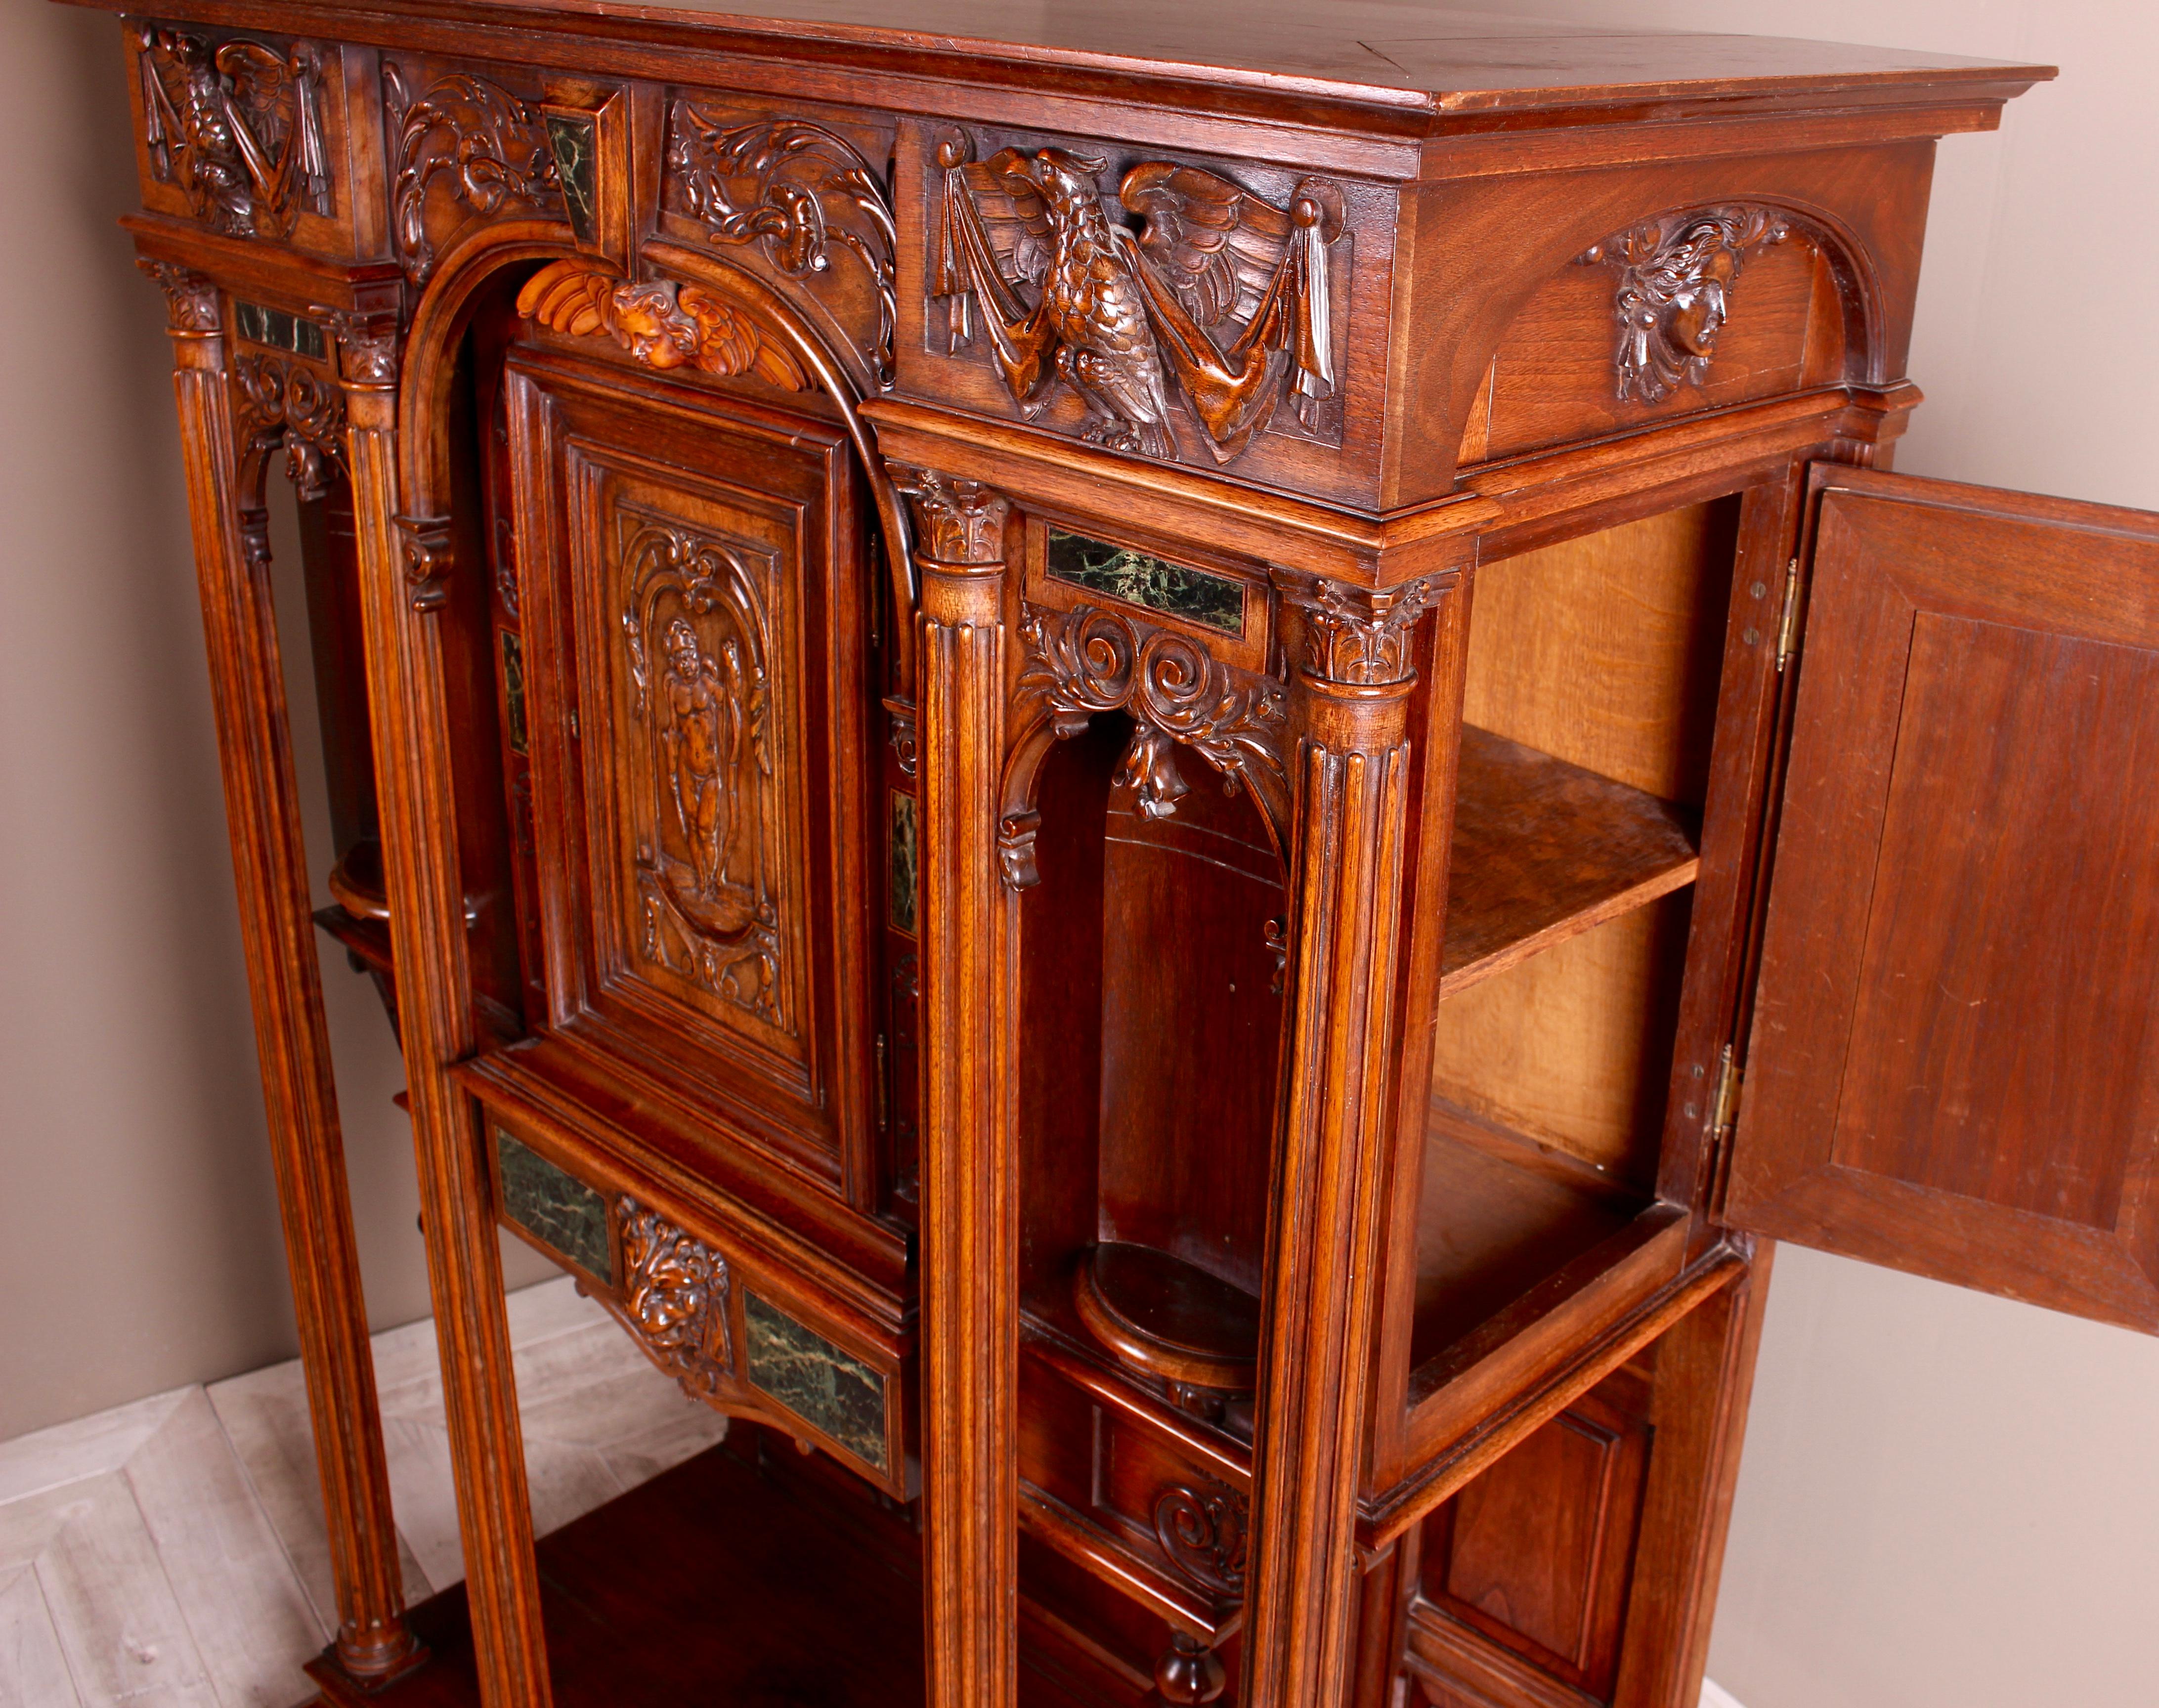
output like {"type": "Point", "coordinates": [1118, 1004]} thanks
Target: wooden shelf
{"type": "Point", "coordinates": [1161, 1314]}
{"type": "Point", "coordinates": [1544, 851]}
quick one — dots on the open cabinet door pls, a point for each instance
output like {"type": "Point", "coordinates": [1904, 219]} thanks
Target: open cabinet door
{"type": "Point", "coordinates": [1953, 1068]}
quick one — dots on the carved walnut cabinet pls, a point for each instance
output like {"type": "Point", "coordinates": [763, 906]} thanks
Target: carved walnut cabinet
{"type": "Point", "coordinates": [1160, 773]}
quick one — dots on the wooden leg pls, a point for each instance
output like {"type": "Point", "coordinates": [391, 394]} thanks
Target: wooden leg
{"type": "Point", "coordinates": [1351, 779]}
{"type": "Point", "coordinates": [285, 982]}
{"type": "Point", "coordinates": [970, 1195]}
{"type": "Point", "coordinates": [402, 564]}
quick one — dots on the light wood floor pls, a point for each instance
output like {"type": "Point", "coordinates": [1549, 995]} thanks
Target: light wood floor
{"type": "Point", "coordinates": [169, 1553]}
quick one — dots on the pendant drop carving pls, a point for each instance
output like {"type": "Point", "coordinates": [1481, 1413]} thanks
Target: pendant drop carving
{"type": "Point", "coordinates": [1676, 275]}
{"type": "Point", "coordinates": [705, 801]}
{"type": "Point", "coordinates": [491, 146]}
{"type": "Point", "coordinates": [661, 323]}
{"type": "Point", "coordinates": [289, 405]}
{"type": "Point", "coordinates": [238, 128]}
{"type": "Point", "coordinates": [676, 1298]}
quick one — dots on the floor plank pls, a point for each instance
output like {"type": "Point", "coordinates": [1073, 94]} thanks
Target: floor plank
{"type": "Point", "coordinates": [89, 1446]}
{"type": "Point", "coordinates": [34, 1672]}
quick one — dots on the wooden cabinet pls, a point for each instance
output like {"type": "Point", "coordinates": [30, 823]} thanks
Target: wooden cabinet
{"type": "Point", "coordinates": [1163, 783]}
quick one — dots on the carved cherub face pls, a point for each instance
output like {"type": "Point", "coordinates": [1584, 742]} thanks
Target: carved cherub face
{"type": "Point", "coordinates": [660, 335]}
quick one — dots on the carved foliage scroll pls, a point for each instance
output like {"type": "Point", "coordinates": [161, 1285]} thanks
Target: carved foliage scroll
{"type": "Point", "coordinates": [661, 323]}
{"type": "Point", "coordinates": [1219, 296]}
{"type": "Point", "coordinates": [705, 804]}
{"type": "Point", "coordinates": [1676, 275]}
{"type": "Point", "coordinates": [676, 1300]}
{"type": "Point", "coordinates": [238, 128]}
{"type": "Point", "coordinates": [1083, 661]}
{"type": "Point", "coordinates": [802, 194]}
{"type": "Point", "coordinates": [291, 406]}
{"type": "Point", "coordinates": [488, 146]}
{"type": "Point", "coordinates": [1203, 1530]}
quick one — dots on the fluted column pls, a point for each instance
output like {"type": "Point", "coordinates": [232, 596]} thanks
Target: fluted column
{"type": "Point", "coordinates": [1350, 777]}
{"type": "Point", "coordinates": [970, 1258]}
{"type": "Point", "coordinates": [284, 978]}
{"type": "Point", "coordinates": [404, 564]}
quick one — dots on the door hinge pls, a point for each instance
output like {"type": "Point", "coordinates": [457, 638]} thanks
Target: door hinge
{"type": "Point", "coordinates": [883, 1087]}
{"type": "Point", "coordinates": [1723, 1119]}
{"type": "Point", "coordinates": [1787, 627]}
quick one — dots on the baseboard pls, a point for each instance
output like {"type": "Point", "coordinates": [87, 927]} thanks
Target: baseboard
{"type": "Point", "coordinates": [1715, 1695]}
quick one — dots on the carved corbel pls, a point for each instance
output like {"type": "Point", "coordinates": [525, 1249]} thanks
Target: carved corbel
{"type": "Point", "coordinates": [676, 1301]}
{"type": "Point", "coordinates": [1676, 275]}
{"type": "Point", "coordinates": [290, 405]}
{"type": "Point", "coordinates": [424, 547]}
{"type": "Point", "coordinates": [1356, 636]}
{"type": "Point", "coordinates": [192, 301]}
{"type": "Point", "coordinates": [958, 522]}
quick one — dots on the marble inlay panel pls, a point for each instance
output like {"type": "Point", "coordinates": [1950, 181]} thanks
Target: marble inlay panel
{"type": "Point", "coordinates": [275, 329]}
{"type": "Point", "coordinates": [812, 1378]}
{"type": "Point", "coordinates": [557, 1210]}
{"type": "Point", "coordinates": [1138, 578]}
{"type": "Point", "coordinates": [575, 144]}
{"type": "Point", "coordinates": [906, 864]}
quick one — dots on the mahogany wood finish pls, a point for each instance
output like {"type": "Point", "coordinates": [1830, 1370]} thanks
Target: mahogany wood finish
{"type": "Point", "coordinates": [1159, 776]}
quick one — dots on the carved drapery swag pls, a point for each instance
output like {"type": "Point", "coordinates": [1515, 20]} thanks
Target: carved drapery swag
{"type": "Point", "coordinates": [238, 128]}
{"type": "Point", "coordinates": [289, 405]}
{"type": "Point", "coordinates": [1118, 315]}
{"type": "Point", "coordinates": [797, 190]}
{"type": "Point", "coordinates": [1676, 275]}
{"type": "Point", "coordinates": [676, 1301]}
{"type": "Point", "coordinates": [661, 323]}
{"type": "Point", "coordinates": [493, 144]}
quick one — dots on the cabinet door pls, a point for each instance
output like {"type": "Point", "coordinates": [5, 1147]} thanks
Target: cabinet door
{"type": "Point", "coordinates": [1954, 1066]}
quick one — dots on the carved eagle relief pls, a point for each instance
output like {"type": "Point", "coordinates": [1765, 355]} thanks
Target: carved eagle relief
{"type": "Point", "coordinates": [1219, 292]}
{"type": "Point", "coordinates": [237, 127]}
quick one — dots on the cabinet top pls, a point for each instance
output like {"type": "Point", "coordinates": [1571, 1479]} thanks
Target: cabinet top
{"type": "Point", "coordinates": [1406, 59]}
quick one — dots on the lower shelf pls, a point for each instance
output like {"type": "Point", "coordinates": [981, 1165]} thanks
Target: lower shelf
{"type": "Point", "coordinates": [725, 1579]}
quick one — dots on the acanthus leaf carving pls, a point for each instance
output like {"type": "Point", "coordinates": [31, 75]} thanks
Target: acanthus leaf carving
{"type": "Point", "coordinates": [1069, 297]}
{"type": "Point", "coordinates": [492, 144]}
{"type": "Point", "coordinates": [1077, 663]}
{"type": "Point", "coordinates": [661, 323]}
{"type": "Point", "coordinates": [797, 191]}
{"type": "Point", "coordinates": [289, 405]}
{"type": "Point", "coordinates": [1356, 636]}
{"type": "Point", "coordinates": [676, 1301]}
{"type": "Point", "coordinates": [961, 522]}
{"type": "Point", "coordinates": [367, 346]}
{"type": "Point", "coordinates": [238, 128]}
{"type": "Point", "coordinates": [1676, 275]}
{"type": "Point", "coordinates": [192, 301]}
{"type": "Point", "coordinates": [1203, 1531]}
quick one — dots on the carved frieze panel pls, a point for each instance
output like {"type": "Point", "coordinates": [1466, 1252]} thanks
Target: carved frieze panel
{"type": "Point", "coordinates": [1676, 276]}
{"type": "Point", "coordinates": [1218, 303]}
{"type": "Point", "coordinates": [466, 148]}
{"type": "Point", "coordinates": [236, 126]}
{"type": "Point", "coordinates": [805, 200]}
{"type": "Point", "coordinates": [660, 322]}
{"type": "Point", "coordinates": [676, 1297]}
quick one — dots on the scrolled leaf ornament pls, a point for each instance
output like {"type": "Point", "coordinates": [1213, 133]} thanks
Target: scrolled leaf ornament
{"type": "Point", "coordinates": [1676, 275]}
{"type": "Point", "coordinates": [289, 405]}
{"type": "Point", "coordinates": [1203, 1532]}
{"type": "Point", "coordinates": [492, 145]}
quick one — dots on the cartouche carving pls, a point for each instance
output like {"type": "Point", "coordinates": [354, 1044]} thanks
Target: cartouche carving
{"type": "Point", "coordinates": [1675, 279]}
{"type": "Point", "coordinates": [1116, 314]}
{"type": "Point", "coordinates": [289, 405]}
{"type": "Point", "coordinates": [192, 301]}
{"type": "Point", "coordinates": [1202, 1531]}
{"type": "Point", "coordinates": [661, 324]}
{"type": "Point", "coordinates": [676, 1300]}
{"type": "Point", "coordinates": [1077, 663]}
{"type": "Point", "coordinates": [955, 521]}
{"type": "Point", "coordinates": [1354, 635]}
{"type": "Point", "coordinates": [708, 824]}
{"type": "Point", "coordinates": [795, 189]}
{"type": "Point", "coordinates": [493, 142]}
{"type": "Point", "coordinates": [238, 128]}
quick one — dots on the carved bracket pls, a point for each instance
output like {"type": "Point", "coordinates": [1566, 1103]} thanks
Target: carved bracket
{"type": "Point", "coordinates": [955, 521]}
{"type": "Point", "coordinates": [191, 298]}
{"type": "Point", "coordinates": [238, 128]}
{"type": "Point", "coordinates": [492, 145]}
{"type": "Point", "coordinates": [1218, 290]}
{"type": "Point", "coordinates": [662, 325]}
{"type": "Point", "coordinates": [1075, 664]}
{"type": "Point", "coordinates": [799, 193]}
{"type": "Point", "coordinates": [1676, 275]}
{"type": "Point", "coordinates": [676, 1301]}
{"type": "Point", "coordinates": [288, 404]}
{"type": "Point", "coordinates": [1203, 1532]}
{"type": "Point", "coordinates": [367, 346]}
{"type": "Point", "coordinates": [1355, 636]}
{"type": "Point", "coordinates": [423, 543]}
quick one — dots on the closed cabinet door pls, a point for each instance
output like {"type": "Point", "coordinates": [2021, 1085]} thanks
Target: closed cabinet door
{"type": "Point", "coordinates": [1954, 1062]}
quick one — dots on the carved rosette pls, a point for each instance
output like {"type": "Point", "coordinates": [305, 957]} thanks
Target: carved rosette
{"type": "Point", "coordinates": [958, 522]}
{"type": "Point", "coordinates": [289, 405]}
{"type": "Point", "coordinates": [1077, 663]}
{"type": "Point", "coordinates": [490, 147]}
{"type": "Point", "coordinates": [237, 127]}
{"type": "Point", "coordinates": [676, 1301]}
{"type": "Point", "coordinates": [797, 191]}
{"type": "Point", "coordinates": [1676, 275]}
{"type": "Point", "coordinates": [661, 323]}
{"type": "Point", "coordinates": [192, 302]}
{"type": "Point", "coordinates": [1355, 636]}
{"type": "Point", "coordinates": [1203, 1532]}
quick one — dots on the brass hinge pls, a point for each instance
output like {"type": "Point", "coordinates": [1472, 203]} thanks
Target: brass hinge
{"type": "Point", "coordinates": [1724, 1117]}
{"type": "Point", "coordinates": [1788, 629]}
{"type": "Point", "coordinates": [883, 1087]}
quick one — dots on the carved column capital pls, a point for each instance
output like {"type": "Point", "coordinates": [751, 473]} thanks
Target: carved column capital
{"type": "Point", "coordinates": [423, 545]}
{"type": "Point", "coordinates": [368, 347]}
{"type": "Point", "coordinates": [959, 524]}
{"type": "Point", "coordinates": [191, 298]}
{"type": "Point", "coordinates": [1356, 637]}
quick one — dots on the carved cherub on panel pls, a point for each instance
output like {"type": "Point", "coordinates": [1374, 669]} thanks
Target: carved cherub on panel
{"type": "Point", "coordinates": [1068, 296]}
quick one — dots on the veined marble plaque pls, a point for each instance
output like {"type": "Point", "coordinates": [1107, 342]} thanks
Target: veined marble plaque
{"type": "Point", "coordinates": [812, 1378]}
{"type": "Point", "coordinates": [557, 1209]}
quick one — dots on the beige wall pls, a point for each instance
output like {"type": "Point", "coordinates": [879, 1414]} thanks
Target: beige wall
{"type": "Point", "coordinates": [1947, 1500]}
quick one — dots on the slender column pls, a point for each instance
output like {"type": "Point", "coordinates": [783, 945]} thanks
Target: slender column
{"type": "Point", "coordinates": [402, 566]}
{"type": "Point", "coordinates": [1350, 776]}
{"type": "Point", "coordinates": [284, 978]}
{"type": "Point", "coordinates": [970, 1174]}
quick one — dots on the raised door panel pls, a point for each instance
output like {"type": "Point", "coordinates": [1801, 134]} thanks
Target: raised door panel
{"type": "Point", "coordinates": [1952, 1067]}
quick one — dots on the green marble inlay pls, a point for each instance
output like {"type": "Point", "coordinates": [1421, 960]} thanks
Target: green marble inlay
{"type": "Point", "coordinates": [575, 144]}
{"type": "Point", "coordinates": [812, 1378]}
{"type": "Point", "coordinates": [513, 686]}
{"type": "Point", "coordinates": [278, 330]}
{"type": "Point", "coordinates": [906, 864]}
{"type": "Point", "coordinates": [1140, 579]}
{"type": "Point", "coordinates": [557, 1210]}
